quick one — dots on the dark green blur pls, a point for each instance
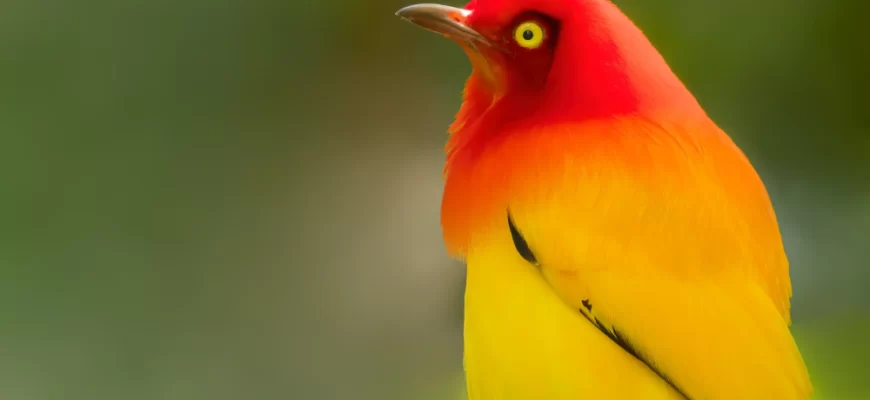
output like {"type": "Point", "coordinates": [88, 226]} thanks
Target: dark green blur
{"type": "Point", "coordinates": [238, 199]}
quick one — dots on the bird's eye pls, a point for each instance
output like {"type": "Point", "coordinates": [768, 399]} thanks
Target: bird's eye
{"type": "Point", "coordinates": [529, 35]}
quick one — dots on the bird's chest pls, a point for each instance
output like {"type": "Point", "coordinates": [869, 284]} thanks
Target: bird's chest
{"type": "Point", "coordinates": [523, 342]}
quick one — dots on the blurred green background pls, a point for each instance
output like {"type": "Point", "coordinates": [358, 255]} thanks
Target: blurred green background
{"type": "Point", "coordinates": [238, 199]}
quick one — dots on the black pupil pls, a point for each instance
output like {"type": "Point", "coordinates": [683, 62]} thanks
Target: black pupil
{"type": "Point", "coordinates": [528, 35]}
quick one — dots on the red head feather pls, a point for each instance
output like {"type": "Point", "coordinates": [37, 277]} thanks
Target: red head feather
{"type": "Point", "coordinates": [602, 65]}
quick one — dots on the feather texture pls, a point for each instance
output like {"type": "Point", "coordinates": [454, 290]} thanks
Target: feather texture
{"type": "Point", "coordinates": [662, 236]}
{"type": "Point", "coordinates": [642, 256]}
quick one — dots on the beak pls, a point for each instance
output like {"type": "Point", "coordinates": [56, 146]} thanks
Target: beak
{"type": "Point", "coordinates": [444, 20]}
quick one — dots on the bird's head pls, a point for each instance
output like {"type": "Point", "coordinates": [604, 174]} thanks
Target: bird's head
{"type": "Point", "coordinates": [554, 59]}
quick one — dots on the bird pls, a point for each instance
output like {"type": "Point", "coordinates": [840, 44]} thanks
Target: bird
{"type": "Point", "coordinates": [618, 244]}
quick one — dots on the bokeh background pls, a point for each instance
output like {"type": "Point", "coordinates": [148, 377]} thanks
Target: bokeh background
{"type": "Point", "coordinates": [238, 199]}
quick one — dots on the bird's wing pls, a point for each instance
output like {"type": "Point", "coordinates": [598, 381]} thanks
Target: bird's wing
{"type": "Point", "coordinates": [710, 339]}
{"type": "Point", "coordinates": [677, 258]}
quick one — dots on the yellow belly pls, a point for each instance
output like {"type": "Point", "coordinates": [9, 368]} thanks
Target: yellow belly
{"type": "Point", "coordinates": [522, 342]}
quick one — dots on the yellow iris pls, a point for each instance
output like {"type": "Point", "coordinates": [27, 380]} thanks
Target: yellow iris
{"type": "Point", "coordinates": [529, 35]}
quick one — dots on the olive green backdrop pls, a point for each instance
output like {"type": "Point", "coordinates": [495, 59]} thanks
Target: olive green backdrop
{"type": "Point", "coordinates": [238, 199]}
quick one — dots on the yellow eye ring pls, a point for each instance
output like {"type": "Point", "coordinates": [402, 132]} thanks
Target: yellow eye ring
{"type": "Point", "coordinates": [529, 35]}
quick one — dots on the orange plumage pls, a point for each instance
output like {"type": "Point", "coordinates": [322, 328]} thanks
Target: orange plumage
{"type": "Point", "coordinates": [619, 244]}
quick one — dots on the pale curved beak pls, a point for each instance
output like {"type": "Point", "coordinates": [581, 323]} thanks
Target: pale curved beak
{"type": "Point", "coordinates": [445, 20]}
